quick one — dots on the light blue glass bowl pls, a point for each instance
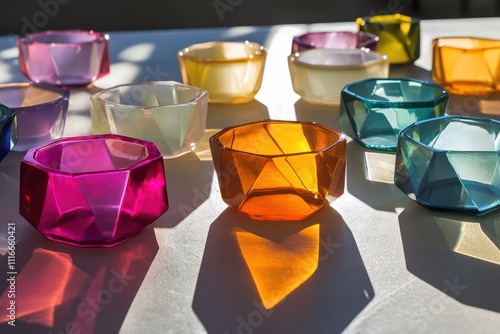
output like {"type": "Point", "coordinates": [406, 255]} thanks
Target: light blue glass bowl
{"type": "Point", "coordinates": [374, 111]}
{"type": "Point", "coordinates": [451, 163]}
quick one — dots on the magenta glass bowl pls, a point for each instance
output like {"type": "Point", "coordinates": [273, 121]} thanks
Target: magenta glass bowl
{"type": "Point", "coordinates": [92, 191]}
{"type": "Point", "coordinates": [40, 112]}
{"type": "Point", "coordinates": [335, 40]}
{"type": "Point", "coordinates": [64, 57]}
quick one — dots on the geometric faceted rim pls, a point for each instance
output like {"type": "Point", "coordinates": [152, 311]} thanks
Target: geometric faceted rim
{"type": "Point", "coordinates": [200, 94]}
{"type": "Point", "coordinates": [367, 38]}
{"type": "Point", "coordinates": [393, 19]}
{"type": "Point", "coordinates": [257, 53]}
{"type": "Point", "coordinates": [397, 104]}
{"type": "Point", "coordinates": [64, 94]}
{"type": "Point", "coordinates": [215, 138]}
{"type": "Point", "coordinates": [152, 153]}
{"type": "Point", "coordinates": [39, 37]}
{"type": "Point", "coordinates": [376, 58]}
{"type": "Point", "coordinates": [449, 119]}
{"type": "Point", "coordinates": [444, 41]}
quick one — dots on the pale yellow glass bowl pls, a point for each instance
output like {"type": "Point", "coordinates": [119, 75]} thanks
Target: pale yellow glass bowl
{"type": "Point", "coordinates": [231, 72]}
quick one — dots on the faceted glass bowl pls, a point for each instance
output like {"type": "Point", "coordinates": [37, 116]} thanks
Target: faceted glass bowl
{"type": "Point", "coordinates": [451, 163]}
{"type": "Point", "coordinates": [170, 114]}
{"type": "Point", "coordinates": [374, 111]}
{"type": "Point", "coordinates": [40, 112]}
{"type": "Point", "coordinates": [92, 191]}
{"type": "Point", "coordinates": [6, 118]}
{"type": "Point", "coordinates": [334, 40]}
{"type": "Point", "coordinates": [399, 36]}
{"type": "Point", "coordinates": [318, 75]}
{"type": "Point", "coordinates": [231, 72]}
{"type": "Point", "coordinates": [279, 170]}
{"type": "Point", "coordinates": [466, 65]}
{"type": "Point", "coordinates": [64, 57]}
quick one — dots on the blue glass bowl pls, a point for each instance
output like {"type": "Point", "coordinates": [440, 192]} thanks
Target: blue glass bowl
{"type": "Point", "coordinates": [451, 163]}
{"type": "Point", "coordinates": [374, 111]}
{"type": "Point", "coordinates": [6, 118]}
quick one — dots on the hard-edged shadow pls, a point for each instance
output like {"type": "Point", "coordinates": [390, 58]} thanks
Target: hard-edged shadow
{"type": "Point", "coordinates": [322, 114]}
{"type": "Point", "coordinates": [189, 182]}
{"type": "Point", "coordinates": [61, 288]}
{"type": "Point", "coordinates": [370, 176]}
{"type": "Point", "coordinates": [280, 277]}
{"type": "Point", "coordinates": [223, 115]}
{"type": "Point", "coordinates": [409, 71]}
{"type": "Point", "coordinates": [454, 253]}
{"type": "Point", "coordinates": [475, 105]}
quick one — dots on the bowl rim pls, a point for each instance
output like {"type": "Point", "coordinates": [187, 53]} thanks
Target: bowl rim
{"type": "Point", "coordinates": [404, 132]}
{"type": "Point", "coordinates": [215, 138]}
{"type": "Point", "coordinates": [294, 58]}
{"type": "Point", "coordinates": [9, 113]}
{"type": "Point", "coordinates": [98, 37]}
{"type": "Point", "coordinates": [259, 53]}
{"type": "Point", "coordinates": [399, 18]}
{"type": "Point", "coordinates": [372, 38]}
{"type": "Point", "coordinates": [400, 104]}
{"type": "Point", "coordinates": [64, 94]}
{"type": "Point", "coordinates": [152, 153]}
{"type": "Point", "coordinates": [201, 93]}
{"type": "Point", "coordinates": [437, 42]}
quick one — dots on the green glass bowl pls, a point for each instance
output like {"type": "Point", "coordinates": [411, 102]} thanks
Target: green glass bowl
{"type": "Point", "coordinates": [374, 111]}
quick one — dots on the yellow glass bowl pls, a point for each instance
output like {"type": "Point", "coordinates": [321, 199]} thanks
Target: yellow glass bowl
{"type": "Point", "coordinates": [399, 36]}
{"type": "Point", "coordinates": [231, 72]}
{"type": "Point", "coordinates": [466, 65]}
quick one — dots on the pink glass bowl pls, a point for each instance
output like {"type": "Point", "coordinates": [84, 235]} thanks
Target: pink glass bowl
{"type": "Point", "coordinates": [65, 57]}
{"type": "Point", "coordinates": [335, 40]}
{"type": "Point", "coordinates": [40, 112]}
{"type": "Point", "coordinates": [92, 191]}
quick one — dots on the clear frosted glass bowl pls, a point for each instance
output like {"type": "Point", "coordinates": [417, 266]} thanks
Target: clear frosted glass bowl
{"type": "Point", "coordinates": [374, 111]}
{"type": "Point", "coordinates": [451, 163]}
{"type": "Point", "coordinates": [231, 72]}
{"type": "Point", "coordinates": [170, 114]}
{"type": "Point", "coordinates": [318, 75]}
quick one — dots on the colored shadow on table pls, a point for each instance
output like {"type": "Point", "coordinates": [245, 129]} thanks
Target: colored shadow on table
{"type": "Point", "coordinates": [323, 114]}
{"type": "Point", "coordinates": [457, 254]}
{"type": "Point", "coordinates": [223, 115]}
{"type": "Point", "coordinates": [370, 176]}
{"type": "Point", "coordinates": [66, 289]}
{"type": "Point", "coordinates": [280, 277]}
{"type": "Point", "coordinates": [475, 105]}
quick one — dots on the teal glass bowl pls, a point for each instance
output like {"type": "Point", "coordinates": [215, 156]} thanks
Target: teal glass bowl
{"type": "Point", "coordinates": [451, 163]}
{"type": "Point", "coordinates": [374, 111]}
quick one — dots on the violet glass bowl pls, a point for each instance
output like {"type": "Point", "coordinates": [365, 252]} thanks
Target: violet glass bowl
{"type": "Point", "coordinates": [65, 57]}
{"type": "Point", "coordinates": [40, 112]}
{"type": "Point", "coordinates": [335, 40]}
{"type": "Point", "coordinates": [92, 191]}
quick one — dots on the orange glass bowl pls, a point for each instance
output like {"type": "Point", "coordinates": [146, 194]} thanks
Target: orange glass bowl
{"type": "Point", "coordinates": [466, 65]}
{"type": "Point", "coordinates": [231, 72]}
{"type": "Point", "coordinates": [279, 170]}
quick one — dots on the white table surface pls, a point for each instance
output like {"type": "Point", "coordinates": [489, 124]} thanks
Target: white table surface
{"type": "Point", "coordinates": [385, 264]}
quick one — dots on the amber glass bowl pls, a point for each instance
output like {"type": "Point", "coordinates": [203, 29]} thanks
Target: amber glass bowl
{"type": "Point", "coordinates": [231, 72]}
{"type": "Point", "coordinates": [466, 65]}
{"type": "Point", "coordinates": [279, 170]}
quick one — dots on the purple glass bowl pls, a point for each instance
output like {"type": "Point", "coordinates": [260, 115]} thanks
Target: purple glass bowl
{"type": "Point", "coordinates": [40, 112]}
{"type": "Point", "coordinates": [335, 40]}
{"type": "Point", "coordinates": [65, 57]}
{"type": "Point", "coordinates": [92, 191]}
